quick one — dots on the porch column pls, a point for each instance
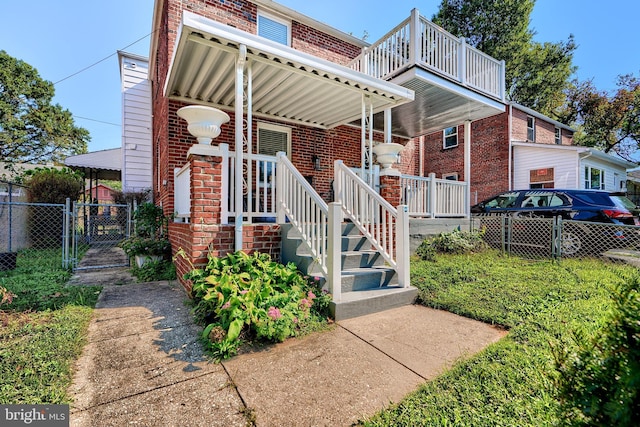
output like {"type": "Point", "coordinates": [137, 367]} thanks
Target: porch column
{"type": "Point", "coordinates": [239, 116]}
{"type": "Point", "coordinates": [467, 166]}
{"type": "Point", "coordinates": [390, 188]}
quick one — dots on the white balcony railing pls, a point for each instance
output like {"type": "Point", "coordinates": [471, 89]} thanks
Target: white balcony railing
{"type": "Point", "coordinates": [433, 198]}
{"type": "Point", "coordinates": [258, 187]}
{"type": "Point", "coordinates": [418, 41]}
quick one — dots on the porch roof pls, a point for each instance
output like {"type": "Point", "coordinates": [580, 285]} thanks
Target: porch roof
{"type": "Point", "coordinates": [105, 164]}
{"type": "Point", "coordinates": [288, 85]}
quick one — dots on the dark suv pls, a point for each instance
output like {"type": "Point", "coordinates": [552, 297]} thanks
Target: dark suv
{"type": "Point", "coordinates": [579, 205]}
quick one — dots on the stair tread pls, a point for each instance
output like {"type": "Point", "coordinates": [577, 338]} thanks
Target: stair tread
{"type": "Point", "coordinates": [364, 294]}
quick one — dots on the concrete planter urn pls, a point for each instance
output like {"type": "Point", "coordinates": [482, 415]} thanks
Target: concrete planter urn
{"type": "Point", "coordinates": [203, 122]}
{"type": "Point", "coordinates": [143, 259]}
{"type": "Point", "coordinates": [387, 153]}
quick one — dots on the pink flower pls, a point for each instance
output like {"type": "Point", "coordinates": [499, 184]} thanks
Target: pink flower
{"type": "Point", "coordinates": [311, 295]}
{"type": "Point", "coordinates": [226, 305]}
{"type": "Point", "coordinates": [316, 278]}
{"type": "Point", "coordinates": [295, 320]}
{"type": "Point", "coordinates": [244, 291]}
{"type": "Point", "coordinates": [305, 303]}
{"type": "Point", "coordinates": [274, 313]}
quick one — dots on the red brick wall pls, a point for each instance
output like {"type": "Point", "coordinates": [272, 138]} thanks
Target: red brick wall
{"type": "Point", "coordinates": [544, 130]}
{"type": "Point", "coordinates": [489, 156]}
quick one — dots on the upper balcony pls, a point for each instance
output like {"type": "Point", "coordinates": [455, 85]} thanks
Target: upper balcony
{"type": "Point", "coordinates": [453, 81]}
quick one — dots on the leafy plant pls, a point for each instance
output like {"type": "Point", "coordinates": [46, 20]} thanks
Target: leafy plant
{"type": "Point", "coordinates": [599, 377]}
{"type": "Point", "coordinates": [151, 230]}
{"type": "Point", "coordinates": [240, 296]}
{"type": "Point", "coordinates": [136, 245]}
{"type": "Point", "coordinates": [153, 271]}
{"type": "Point", "coordinates": [454, 242]}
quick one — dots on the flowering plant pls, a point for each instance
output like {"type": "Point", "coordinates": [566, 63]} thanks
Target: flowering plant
{"type": "Point", "coordinates": [136, 245]}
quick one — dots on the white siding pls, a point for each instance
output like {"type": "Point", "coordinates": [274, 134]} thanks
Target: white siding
{"type": "Point", "coordinates": [564, 162]}
{"type": "Point", "coordinates": [136, 123]}
{"type": "Point", "coordinates": [610, 172]}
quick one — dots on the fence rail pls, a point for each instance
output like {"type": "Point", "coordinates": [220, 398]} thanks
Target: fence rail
{"type": "Point", "coordinates": [556, 237]}
{"type": "Point", "coordinates": [432, 198]}
{"type": "Point", "coordinates": [418, 41]}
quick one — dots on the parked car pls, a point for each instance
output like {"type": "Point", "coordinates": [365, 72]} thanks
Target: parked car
{"type": "Point", "coordinates": [578, 205]}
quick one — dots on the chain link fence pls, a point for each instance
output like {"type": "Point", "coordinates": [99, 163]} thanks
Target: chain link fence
{"type": "Point", "coordinates": [535, 238]}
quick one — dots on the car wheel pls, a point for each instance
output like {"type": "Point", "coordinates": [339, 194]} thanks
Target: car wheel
{"type": "Point", "coordinates": [571, 243]}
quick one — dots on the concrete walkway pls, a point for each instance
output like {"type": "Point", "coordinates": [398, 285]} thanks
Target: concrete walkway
{"type": "Point", "coordinates": [144, 365]}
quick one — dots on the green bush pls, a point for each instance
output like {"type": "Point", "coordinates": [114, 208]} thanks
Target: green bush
{"type": "Point", "coordinates": [599, 377]}
{"type": "Point", "coordinates": [242, 296]}
{"type": "Point", "coordinates": [152, 271]}
{"type": "Point", "coordinates": [454, 242]}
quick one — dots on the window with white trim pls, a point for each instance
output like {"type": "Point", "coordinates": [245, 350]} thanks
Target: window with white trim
{"type": "Point", "coordinates": [453, 176]}
{"type": "Point", "coordinates": [593, 178]}
{"type": "Point", "coordinates": [273, 138]}
{"type": "Point", "coordinates": [558, 136]}
{"type": "Point", "coordinates": [450, 137]}
{"type": "Point", "coordinates": [531, 129]}
{"type": "Point", "coordinates": [274, 28]}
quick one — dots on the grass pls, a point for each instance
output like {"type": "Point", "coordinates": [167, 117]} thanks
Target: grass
{"type": "Point", "coordinates": [512, 382]}
{"type": "Point", "coordinates": [43, 329]}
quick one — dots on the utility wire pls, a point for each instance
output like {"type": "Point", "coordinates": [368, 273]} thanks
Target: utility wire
{"type": "Point", "coordinates": [99, 121]}
{"type": "Point", "coordinates": [102, 60]}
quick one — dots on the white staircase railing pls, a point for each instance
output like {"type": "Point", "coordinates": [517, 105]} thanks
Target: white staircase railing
{"type": "Point", "coordinates": [385, 227]}
{"type": "Point", "coordinates": [317, 223]}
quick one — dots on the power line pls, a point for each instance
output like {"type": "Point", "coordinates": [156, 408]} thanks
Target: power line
{"type": "Point", "coordinates": [99, 121]}
{"type": "Point", "coordinates": [102, 60]}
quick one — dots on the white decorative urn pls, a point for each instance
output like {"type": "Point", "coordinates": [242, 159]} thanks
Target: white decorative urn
{"type": "Point", "coordinates": [203, 122]}
{"type": "Point", "coordinates": [387, 153]}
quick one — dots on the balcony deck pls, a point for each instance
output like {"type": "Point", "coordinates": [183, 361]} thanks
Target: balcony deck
{"type": "Point", "coordinates": [453, 81]}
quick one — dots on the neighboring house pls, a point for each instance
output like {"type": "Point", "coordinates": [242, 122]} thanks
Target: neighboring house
{"type": "Point", "coordinates": [291, 84]}
{"type": "Point", "coordinates": [100, 193]}
{"type": "Point", "coordinates": [518, 149]}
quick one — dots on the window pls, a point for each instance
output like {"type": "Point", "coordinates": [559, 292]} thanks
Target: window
{"type": "Point", "coordinates": [273, 138]}
{"type": "Point", "coordinates": [593, 178]}
{"type": "Point", "coordinates": [531, 128]}
{"type": "Point", "coordinates": [274, 28]}
{"type": "Point", "coordinates": [558, 136]}
{"type": "Point", "coordinates": [450, 176]}
{"type": "Point", "coordinates": [450, 137]}
{"type": "Point", "coordinates": [542, 178]}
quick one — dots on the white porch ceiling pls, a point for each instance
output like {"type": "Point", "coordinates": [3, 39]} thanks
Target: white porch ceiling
{"type": "Point", "coordinates": [287, 84]}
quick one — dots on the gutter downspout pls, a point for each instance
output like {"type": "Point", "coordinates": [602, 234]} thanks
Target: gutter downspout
{"type": "Point", "coordinates": [239, 107]}
{"type": "Point", "coordinates": [467, 167]}
{"type": "Point", "coordinates": [579, 168]}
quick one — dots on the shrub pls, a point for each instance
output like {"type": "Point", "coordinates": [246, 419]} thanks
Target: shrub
{"type": "Point", "coordinates": [454, 242]}
{"type": "Point", "coordinates": [152, 271]}
{"type": "Point", "coordinates": [599, 377]}
{"type": "Point", "coordinates": [240, 296]}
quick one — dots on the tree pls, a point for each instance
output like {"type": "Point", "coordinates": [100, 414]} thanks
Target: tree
{"type": "Point", "coordinates": [32, 129]}
{"type": "Point", "coordinates": [536, 73]}
{"type": "Point", "coordinates": [606, 121]}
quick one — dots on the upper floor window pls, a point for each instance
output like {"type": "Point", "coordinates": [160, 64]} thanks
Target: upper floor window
{"type": "Point", "coordinates": [450, 137]}
{"type": "Point", "coordinates": [531, 128]}
{"type": "Point", "coordinates": [558, 136]}
{"type": "Point", "coordinates": [274, 28]}
{"type": "Point", "coordinates": [593, 178]}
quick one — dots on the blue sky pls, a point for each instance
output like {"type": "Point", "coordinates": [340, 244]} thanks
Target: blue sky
{"type": "Point", "coordinates": [61, 37]}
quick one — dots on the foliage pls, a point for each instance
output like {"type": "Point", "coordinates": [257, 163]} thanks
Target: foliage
{"type": "Point", "coordinates": [454, 242]}
{"type": "Point", "coordinates": [606, 121]}
{"type": "Point", "coordinates": [152, 271]}
{"type": "Point", "coordinates": [242, 295]}
{"type": "Point", "coordinates": [599, 376]}
{"type": "Point", "coordinates": [511, 382]}
{"type": "Point", "coordinates": [43, 331]}
{"type": "Point", "coordinates": [536, 73]}
{"type": "Point", "coordinates": [129, 197]}
{"type": "Point", "coordinates": [136, 245]}
{"type": "Point", "coordinates": [32, 129]}
{"type": "Point", "coordinates": [51, 185]}
{"type": "Point", "coordinates": [38, 283]}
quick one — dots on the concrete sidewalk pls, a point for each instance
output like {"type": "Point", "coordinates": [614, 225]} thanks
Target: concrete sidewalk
{"type": "Point", "coordinates": [144, 366]}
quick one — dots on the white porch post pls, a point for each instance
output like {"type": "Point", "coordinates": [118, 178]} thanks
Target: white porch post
{"type": "Point", "coordinates": [467, 166]}
{"type": "Point", "coordinates": [387, 125]}
{"type": "Point", "coordinates": [239, 107]}
{"type": "Point", "coordinates": [224, 186]}
{"type": "Point", "coordinates": [402, 250]}
{"type": "Point", "coordinates": [334, 250]}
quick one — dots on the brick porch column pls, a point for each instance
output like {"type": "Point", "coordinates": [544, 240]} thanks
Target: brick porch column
{"type": "Point", "coordinates": [390, 188]}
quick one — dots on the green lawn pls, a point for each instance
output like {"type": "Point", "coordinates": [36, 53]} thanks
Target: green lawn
{"type": "Point", "coordinates": [512, 382]}
{"type": "Point", "coordinates": [43, 328]}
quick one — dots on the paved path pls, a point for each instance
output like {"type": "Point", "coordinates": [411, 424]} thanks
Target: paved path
{"type": "Point", "coordinates": [144, 365]}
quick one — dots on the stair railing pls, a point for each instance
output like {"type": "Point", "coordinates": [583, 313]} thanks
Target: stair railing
{"type": "Point", "coordinates": [317, 223]}
{"type": "Point", "coordinates": [385, 227]}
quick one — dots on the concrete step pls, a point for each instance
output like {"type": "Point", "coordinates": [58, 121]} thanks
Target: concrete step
{"type": "Point", "coordinates": [359, 279]}
{"type": "Point", "coordinates": [361, 259]}
{"type": "Point", "coordinates": [360, 303]}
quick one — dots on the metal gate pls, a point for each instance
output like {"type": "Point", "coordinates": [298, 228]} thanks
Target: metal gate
{"type": "Point", "coordinates": [95, 231]}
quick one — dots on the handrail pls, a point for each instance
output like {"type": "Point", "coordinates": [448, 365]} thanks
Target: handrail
{"type": "Point", "coordinates": [432, 197]}
{"type": "Point", "coordinates": [368, 210]}
{"type": "Point", "coordinates": [305, 209]}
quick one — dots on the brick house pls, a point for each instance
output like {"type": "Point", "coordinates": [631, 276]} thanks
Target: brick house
{"type": "Point", "coordinates": [521, 148]}
{"type": "Point", "coordinates": [310, 110]}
